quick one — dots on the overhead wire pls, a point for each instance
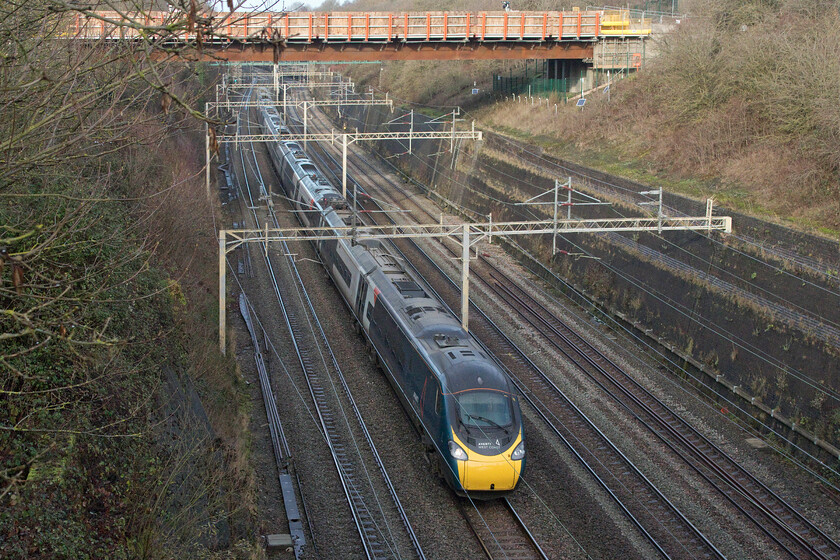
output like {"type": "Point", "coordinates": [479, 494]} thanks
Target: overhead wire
{"type": "Point", "coordinates": [617, 187]}
{"type": "Point", "coordinates": [744, 239]}
{"type": "Point", "coordinates": [256, 171]}
{"type": "Point", "coordinates": [582, 445]}
{"type": "Point", "coordinates": [775, 362]}
{"type": "Point", "coordinates": [786, 367]}
{"type": "Point", "coordinates": [522, 478]}
{"type": "Point", "coordinates": [307, 304]}
{"type": "Point", "coordinates": [302, 294]}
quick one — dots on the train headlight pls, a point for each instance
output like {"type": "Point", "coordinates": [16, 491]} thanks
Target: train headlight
{"type": "Point", "coordinates": [456, 451]}
{"type": "Point", "coordinates": [519, 452]}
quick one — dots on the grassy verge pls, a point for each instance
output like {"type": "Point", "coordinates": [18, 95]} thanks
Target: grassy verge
{"type": "Point", "coordinates": [754, 125]}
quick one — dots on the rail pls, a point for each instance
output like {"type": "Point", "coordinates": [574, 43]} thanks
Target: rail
{"type": "Point", "coordinates": [374, 540]}
{"type": "Point", "coordinates": [656, 517]}
{"type": "Point", "coordinates": [757, 501]}
{"type": "Point", "coordinates": [794, 533]}
{"type": "Point", "coordinates": [500, 530]}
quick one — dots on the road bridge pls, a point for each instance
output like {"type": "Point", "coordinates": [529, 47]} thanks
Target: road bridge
{"type": "Point", "coordinates": [364, 36]}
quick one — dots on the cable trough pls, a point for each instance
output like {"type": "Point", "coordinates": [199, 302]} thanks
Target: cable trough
{"type": "Point", "coordinates": [282, 454]}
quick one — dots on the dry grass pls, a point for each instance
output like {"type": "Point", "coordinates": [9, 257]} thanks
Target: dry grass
{"type": "Point", "coordinates": [751, 113]}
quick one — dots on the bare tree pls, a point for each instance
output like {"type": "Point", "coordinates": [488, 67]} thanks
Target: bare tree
{"type": "Point", "coordinates": [86, 305]}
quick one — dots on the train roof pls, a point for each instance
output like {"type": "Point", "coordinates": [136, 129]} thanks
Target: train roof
{"type": "Point", "coordinates": [461, 362]}
{"type": "Point", "coordinates": [452, 351]}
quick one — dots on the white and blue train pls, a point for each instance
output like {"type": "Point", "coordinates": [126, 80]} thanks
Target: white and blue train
{"type": "Point", "coordinates": [462, 403]}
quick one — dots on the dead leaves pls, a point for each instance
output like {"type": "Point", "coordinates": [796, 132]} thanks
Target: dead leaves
{"type": "Point", "coordinates": [165, 102]}
{"type": "Point", "coordinates": [17, 269]}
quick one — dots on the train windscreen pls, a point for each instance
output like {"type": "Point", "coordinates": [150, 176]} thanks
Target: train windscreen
{"type": "Point", "coordinates": [479, 409]}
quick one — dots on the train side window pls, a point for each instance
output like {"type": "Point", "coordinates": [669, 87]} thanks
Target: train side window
{"type": "Point", "coordinates": [343, 271]}
{"type": "Point", "coordinates": [369, 312]}
{"type": "Point", "coordinates": [438, 402]}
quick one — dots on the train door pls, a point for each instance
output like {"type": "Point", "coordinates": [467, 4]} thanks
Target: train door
{"type": "Point", "coordinates": [368, 302]}
{"type": "Point", "coordinates": [432, 405]}
{"type": "Point", "coordinates": [289, 179]}
{"type": "Point", "coordinates": [361, 296]}
{"type": "Point", "coordinates": [322, 223]}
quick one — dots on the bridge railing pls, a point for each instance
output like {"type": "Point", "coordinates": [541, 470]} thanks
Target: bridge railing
{"type": "Point", "coordinates": [309, 27]}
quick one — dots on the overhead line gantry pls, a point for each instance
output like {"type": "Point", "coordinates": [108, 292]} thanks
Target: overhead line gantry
{"type": "Point", "coordinates": [466, 234]}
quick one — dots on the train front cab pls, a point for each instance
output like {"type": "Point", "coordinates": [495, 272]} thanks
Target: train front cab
{"type": "Point", "coordinates": [488, 473]}
{"type": "Point", "coordinates": [485, 466]}
{"type": "Point", "coordinates": [487, 455]}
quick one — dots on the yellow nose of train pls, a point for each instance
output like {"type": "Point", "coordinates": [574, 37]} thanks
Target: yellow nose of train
{"type": "Point", "coordinates": [488, 472]}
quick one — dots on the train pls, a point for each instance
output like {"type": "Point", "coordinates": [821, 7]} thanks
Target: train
{"type": "Point", "coordinates": [462, 403]}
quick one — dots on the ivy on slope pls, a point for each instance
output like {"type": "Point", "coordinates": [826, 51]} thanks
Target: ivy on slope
{"type": "Point", "coordinates": [87, 321]}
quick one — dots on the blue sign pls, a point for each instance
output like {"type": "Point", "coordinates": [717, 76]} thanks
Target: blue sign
{"type": "Point", "coordinates": [581, 102]}
{"type": "Point", "coordinates": [475, 91]}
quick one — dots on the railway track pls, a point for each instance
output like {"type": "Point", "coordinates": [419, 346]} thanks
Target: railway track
{"type": "Point", "coordinates": [496, 525]}
{"type": "Point", "coordinates": [819, 327]}
{"type": "Point", "coordinates": [370, 514]}
{"type": "Point", "coordinates": [792, 532]}
{"type": "Point", "coordinates": [501, 531]}
{"type": "Point", "coordinates": [657, 518]}
{"type": "Point", "coordinates": [628, 191]}
{"type": "Point", "coordinates": [795, 534]}
{"type": "Point", "coordinates": [811, 321]}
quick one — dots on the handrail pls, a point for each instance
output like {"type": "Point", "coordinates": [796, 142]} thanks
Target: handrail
{"type": "Point", "coordinates": [323, 27]}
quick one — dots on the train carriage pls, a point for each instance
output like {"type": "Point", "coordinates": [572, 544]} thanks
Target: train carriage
{"type": "Point", "coordinates": [461, 402]}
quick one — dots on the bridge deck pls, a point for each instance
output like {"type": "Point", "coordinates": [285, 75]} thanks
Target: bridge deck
{"type": "Point", "coordinates": [371, 35]}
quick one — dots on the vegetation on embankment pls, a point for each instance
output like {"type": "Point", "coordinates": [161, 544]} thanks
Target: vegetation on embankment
{"type": "Point", "coordinates": [108, 312]}
{"type": "Point", "coordinates": [741, 104]}
{"type": "Point", "coordinates": [95, 455]}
